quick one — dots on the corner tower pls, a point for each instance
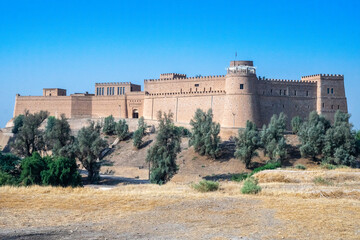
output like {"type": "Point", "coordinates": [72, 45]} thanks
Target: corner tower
{"type": "Point", "coordinates": [241, 102]}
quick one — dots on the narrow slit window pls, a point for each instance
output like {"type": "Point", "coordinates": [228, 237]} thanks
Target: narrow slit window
{"type": "Point", "coordinates": [280, 92]}
{"type": "Point", "coordinates": [332, 106]}
{"type": "Point", "coordinates": [307, 93]}
{"type": "Point", "coordinates": [323, 105]}
{"type": "Point", "coordinates": [285, 92]}
{"type": "Point", "coordinates": [294, 92]}
{"type": "Point", "coordinates": [338, 106]}
{"type": "Point", "coordinates": [332, 91]}
{"type": "Point", "coordinates": [328, 90]}
{"type": "Point", "coordinates": [271, 91]}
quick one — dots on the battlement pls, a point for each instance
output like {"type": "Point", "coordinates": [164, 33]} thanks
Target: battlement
{"type": "Point", "coordinates": [113, 83]}
{"type": "Point", "coordinates": [187, 78]}
{"type": "Point", "coordinates": [323, 75]}
{"type": "Point", "coordinates": [172, 76]}
{"type": "Point", "coordinates": [285, 80]}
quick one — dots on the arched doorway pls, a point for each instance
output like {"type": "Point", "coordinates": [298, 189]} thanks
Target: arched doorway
{"type": "Point", "coordinates": [135, 113]}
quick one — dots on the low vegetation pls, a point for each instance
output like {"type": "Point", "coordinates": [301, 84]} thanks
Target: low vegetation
{"type": "Point", "coordinates": [206, 186]}
{"type": "Point", "coordinates": [139, 133]}
{"type": "Point", "coordinates": [251, 186]}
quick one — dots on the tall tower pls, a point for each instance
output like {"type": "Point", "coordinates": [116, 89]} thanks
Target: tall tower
{"type": "Point", "coordinates": [241, 102]}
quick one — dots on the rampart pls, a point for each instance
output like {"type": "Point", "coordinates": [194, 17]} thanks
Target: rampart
{"type": "Point", "coordinates": [234, 98]}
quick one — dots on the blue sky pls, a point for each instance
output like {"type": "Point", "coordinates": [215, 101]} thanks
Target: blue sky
{"type": "Point", "coordinates": [73, 44]}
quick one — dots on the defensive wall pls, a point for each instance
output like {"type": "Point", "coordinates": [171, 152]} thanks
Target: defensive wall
{"type": "Point", "coordinates": [234, 98]}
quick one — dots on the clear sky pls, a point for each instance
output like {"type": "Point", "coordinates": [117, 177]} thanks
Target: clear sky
{"type": "Point", "coordinates": [73, 44]}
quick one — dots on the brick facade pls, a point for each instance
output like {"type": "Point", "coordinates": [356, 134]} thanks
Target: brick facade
{"type": "Point", "coordinates": [235, 97]}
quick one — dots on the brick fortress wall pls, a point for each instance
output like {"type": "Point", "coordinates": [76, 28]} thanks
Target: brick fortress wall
{"type": "Point", "coordinates": [234, 98]}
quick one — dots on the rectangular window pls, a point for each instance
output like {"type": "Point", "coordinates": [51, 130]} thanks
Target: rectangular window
{"type": "Point", "coordinates": [332, 106]}
{"type": "Point", "coordinates": [102, 92]}
{"type": "Point", "coordinates": [271, 91]}
{"type": "Point", "coordinates": [285, 92]}
{"type": "Point", "coordinates": [338, 106]}
{"type": "Point", "coordinates": [123, 90]}
{"type": "Point", "coordinates": [118, 91]}
{"type": "Point", "coordinates": [107, 91]}
{"type": "Point", "coordinates": [97, 91]}
{"type": "Point", "coordinates": [328, 90]}
{"type": "Point", "coordinates": [113, 92]}
{"type": "Point", "coordinates": [307, 93]}
{"type": "Point", "coordinates": [280, 92]}
{"type": "Point", "coordinates": [294, 92]}
{"type": "Point", "coordinates": [241, 86]}
{"type": "Point", "coordinates": [196, 85]}
{"type": "Point", "coordinates": [323, 105]}
{"type": "Point", "coordinates": [332, 91]}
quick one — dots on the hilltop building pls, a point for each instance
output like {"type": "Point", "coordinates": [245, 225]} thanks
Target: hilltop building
{"type": "Point", "coordinates": [234, 98]}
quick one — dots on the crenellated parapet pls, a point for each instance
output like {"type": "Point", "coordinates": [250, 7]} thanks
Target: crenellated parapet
{"type": "Point", "coordinates": [285, 81]}
{"type": "Point", "coordinates": [185, 79]}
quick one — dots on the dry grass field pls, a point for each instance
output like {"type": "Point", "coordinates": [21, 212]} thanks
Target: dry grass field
{"type": "Point", "coordinates": [288, 207]}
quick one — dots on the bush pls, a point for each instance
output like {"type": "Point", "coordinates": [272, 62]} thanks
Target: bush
{"type": "Point", "coordinates": [62, 172]}
{"type": "Point", "coordinates": [206, 186]}
{"type": "Point", "coordinates": [239, 177]}
{"type": "Point", "coordinates": [122, 130]}
{"type": "Point", "coordinates": [31, 168]}
{"type": "Point", "coordinates": [137, 138]}
{"type": "Point", "coordinates": [300, 166]}
{"type": "Point", "coordinates": [8, 163]}
{"type": "Point", "coordinates": [250, 186]}
{"type": "Point", "coordinates": [7, 179]}
{"type": "Point", "coordinates": [184, 132]}
{"type": "Point", "coordinates": [296, 124]}
{"type": "Point", "coordinates": [268, 166]}
{"type": "Point", "coordinates": [322, 181]}
{"type": "Point", "coordinates": [109, 125]}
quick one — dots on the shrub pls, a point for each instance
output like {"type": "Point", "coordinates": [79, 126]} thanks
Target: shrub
{"type": "Point", "coordinates": [268, 166]}
{"type": "Point", "coordinates": [204, 136]}
{"type": "Point", "coordinates": [300, 166]}
{"type": "Point", "coordinates": [296, 124]}
{"type": "Point", "coordinates": [322, 181]}
{"type": "Point", "coordinates": [137, 138]}
{"type": "Point", "coordinates": [7, 179]}
{"type": "Point", "coordinates": [250, 186]}
{"type": "Point", "coordinates": [109, 125]}
{"type": "Point", "coordinates": [122, 130]}
{"type": "Point", "coordinates": [31, 168]}
{"type": "Point", "coordinates": [184, 132]}
{"type": "Point", "coordinates": [9, 163]}
{"type": "Point", "coordinates": [62, 172]}
{"type": "Point", "coordinates": [206, 186]}
{"type": "Point", "coordinates": [57, 134]}
{"type": "Point", "coordinates": [239, 177]}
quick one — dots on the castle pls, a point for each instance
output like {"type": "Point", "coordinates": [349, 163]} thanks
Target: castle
{"type": "Point", "coordinates": [234, 98]}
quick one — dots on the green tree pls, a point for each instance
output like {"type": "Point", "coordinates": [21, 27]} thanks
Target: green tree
{"type": "Point", "coordinates": [312, 135]}
{"type": "Point", "coordinates": [61, 172]}
{"type": "Point", "coordinates": [89, 147]}
{"type": "Point", "coordinates": [162, 156]}
{"type": "Point", "coordinates": [205, 133]}
{"type": "Point", "coordinates": [272, 135]}
{"type": "Point", "coordinates": [340, 141]}
{"type": "Point", "coordinates": [18, 123]}
{"type": "Point", "coordinates": [109, 125]}
{"type": "Point", "coordinates": [139, 133]}
{"type": "Point", "coordinates": [29, 138]}
{"type": "Point", "coordinates": [247, 143]}
{"type": "Point", "coordinates": [122, 130]}
{"type": "Point", "coordinates": [9, 163]}
{"type": "Point", "coordinates": [31, 168]}
{"type": "Point", "coordinates": [57, 134]}
{"type": "Point", "coordinates": [296, 124]}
